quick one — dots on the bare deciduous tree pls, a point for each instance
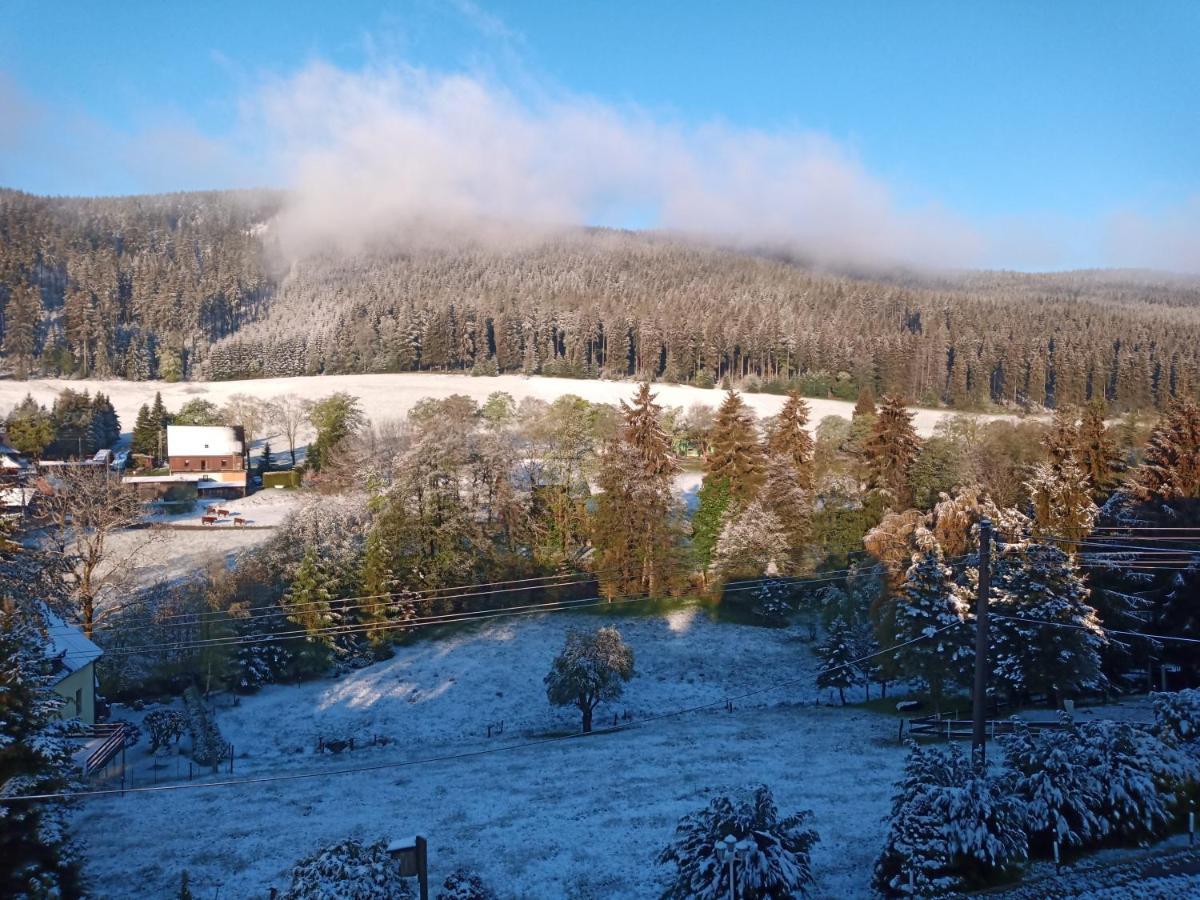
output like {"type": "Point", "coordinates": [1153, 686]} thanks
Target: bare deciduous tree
{"type": "Point", "coordinates": [83, 508]}
{"type": "Point", "coordinates": [288, 413]}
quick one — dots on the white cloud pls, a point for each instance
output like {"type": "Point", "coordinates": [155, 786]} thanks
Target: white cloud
{"type": "Point", "coordinates": [406, 152]}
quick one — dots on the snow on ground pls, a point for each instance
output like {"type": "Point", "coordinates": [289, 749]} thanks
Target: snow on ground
{"type": "Point", "coordinates": [580, 818]}
{"type": "Point", "coordinates": [265, 509]}
{"type": "Point", "coordinates": [391, 396]}
{"type": "Point", "coordinates": [177, 546]}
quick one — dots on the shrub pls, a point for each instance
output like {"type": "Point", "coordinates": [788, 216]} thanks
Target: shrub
{"type": "Point", "coordinates": [349, 870]}
{"type": "Point", "coordinates": [164, 725]}
{"type": "Point", "coordinates": [1177, 716]}
{"type": "Point", "coordinates": [779, 865]}
{"type": "Point", "coordinates": [464, 885]}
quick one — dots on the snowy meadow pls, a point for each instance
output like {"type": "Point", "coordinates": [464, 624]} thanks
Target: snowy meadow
{"type": "Point", "coordinates": [573, 818]}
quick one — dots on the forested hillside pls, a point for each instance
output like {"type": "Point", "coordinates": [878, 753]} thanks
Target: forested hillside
{"type": "Point", "coordinates": [192, 286]}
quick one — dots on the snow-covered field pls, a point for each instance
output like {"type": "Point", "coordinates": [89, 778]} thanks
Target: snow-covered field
{"type": "Point", "coordinates": [391, 396]}
{"type": "Point", "coordinates": [579, 818]}
{"type": "Point", "coordinates": [169, 552]}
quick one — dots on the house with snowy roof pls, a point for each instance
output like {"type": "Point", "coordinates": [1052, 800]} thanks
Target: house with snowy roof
{"type": "Point", "coordinates": [209, 459]}
{"type": "Point", "coordinates": [74, 657]}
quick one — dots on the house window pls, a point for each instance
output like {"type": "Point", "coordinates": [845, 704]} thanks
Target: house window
{"type": "Point", "coordinates": [224, 463]}
{"type": "Point", "coordinates": [187, 463]}
{"type": "Point", "coordinates": [203, 465]}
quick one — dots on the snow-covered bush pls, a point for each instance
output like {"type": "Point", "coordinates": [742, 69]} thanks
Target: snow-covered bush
{"type": "Point", "coordinates": [464, 885]}
{"type": "Point", "coordinates": [1055, 776]}
{"type": "Point", "coordinates": [349, 870]}
{"type": "Point", "coordinates": [772, 602]}
{"type": "Point", "coordinates": [952, 825]}
{"type": "Point", "coordinates": [165, 726]}
{"type": "Point", "coordinates": [1177, 716]}
{"type": "Point", "coordinates": [779, 864]}
{"type": "Point", "coordinates": [1142, 777]}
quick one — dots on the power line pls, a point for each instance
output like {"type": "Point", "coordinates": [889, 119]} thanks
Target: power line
{"type": "Point", "coordinates": [420, 622]}
{"type": "Point", "coordinates": [1140, 634]}
{"type": "Point", "coordinates": [294, 776]}
{"type": "Point", "coordinates": [389, 624]}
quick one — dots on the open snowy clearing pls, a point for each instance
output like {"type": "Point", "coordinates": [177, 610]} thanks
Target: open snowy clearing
{"type": "Point", "coordinates": [573, 818]}
{"type": "Point", "coordinates": [391, 396]}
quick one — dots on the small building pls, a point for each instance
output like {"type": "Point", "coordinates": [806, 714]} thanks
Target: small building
{"type": "Point", "coordinates": [74, 658]}
{"type": "Point", "coordinates": [214, 457]}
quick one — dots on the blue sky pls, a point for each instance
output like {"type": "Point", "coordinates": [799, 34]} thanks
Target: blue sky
{"type": "Point", "coordinates": [1059, 134]}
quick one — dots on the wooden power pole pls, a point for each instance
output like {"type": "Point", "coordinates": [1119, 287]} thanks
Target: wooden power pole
{"type": "Point", "coordinates": [979, 699]}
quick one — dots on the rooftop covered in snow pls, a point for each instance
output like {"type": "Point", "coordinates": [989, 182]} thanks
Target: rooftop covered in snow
{"type": "Point", "coordinates": [205, 440]}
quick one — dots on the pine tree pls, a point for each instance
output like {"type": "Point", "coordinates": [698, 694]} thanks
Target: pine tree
{"type": "Point", "coordinates": [735, 453]}
{"type": "Point", "coordinates": [709, 519]}
{"type": "Point", "coordinates": [952, 825]}
{"type": "Point", "coordinates": [1062, 502]}
{"type": "Point", "coordinates": [21, 318]}
{"type": "Point", "coordinates": [311, 602]}
{"type": "Point", "coordinates": [36, 856]}
{"type": "Point", "coordinates": [1097, 451]}
{"type": "Point", "coordinates": [890, 451]}
{"type": "Point", "coordinates": [145, 433]}
{"type": "Point", "coordinates": [29, 427]}
{"type": "Point", "coordinates": [159, 419]}
{"type": "Point", "coordinates": [1038, 583]}
{"type": "Point", "coordinates": [635, 527]}
{"type": "Point", "coordinates": [838, 655]}
{"type": "Point", "coordinates": [1170, 469]}
{"type": "Point", "coordinates": [930, 612]}
{"type": "Point", "coordinates": [790, 438]}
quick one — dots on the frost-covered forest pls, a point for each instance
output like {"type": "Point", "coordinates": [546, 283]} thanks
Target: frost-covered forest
{"type": "Point", "coordinates": [193, 286]}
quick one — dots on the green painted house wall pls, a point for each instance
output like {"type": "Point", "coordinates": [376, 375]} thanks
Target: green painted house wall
{"type": "Point", "coordinates": [79, 687]}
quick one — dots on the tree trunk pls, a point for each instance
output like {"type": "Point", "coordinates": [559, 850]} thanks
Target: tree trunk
{"type": "Point", "coordinates": [842, 695]}
{"type": "Point", "coordinates": [587, 721]}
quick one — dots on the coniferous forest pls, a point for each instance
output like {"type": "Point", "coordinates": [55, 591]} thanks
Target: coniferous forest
{"type": "Point", "coordinates": [195, 286]}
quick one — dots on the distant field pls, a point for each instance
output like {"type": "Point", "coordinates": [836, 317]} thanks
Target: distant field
{"type": "Point", "coordinates": [391, 396]}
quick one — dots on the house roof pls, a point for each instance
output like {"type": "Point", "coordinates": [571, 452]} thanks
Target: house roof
{"type": "Point", "coordinates": [69, 646]}
{"type": "Point", "coordinates": [204, 440]}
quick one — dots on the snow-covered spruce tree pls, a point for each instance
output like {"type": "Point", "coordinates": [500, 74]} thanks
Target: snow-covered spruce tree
{"type": "Point", "coordinates": [464, 885]}
{"type": "Point", "coordinates": [261, 657]}
{"type": "Point", "coordinates": [1061, 496]}
{"type": "Point", "coordinates": [1039, 583]}
{"type": "Point", "coordinates": [1177, 718]}
{"type": "Point", "coordinates": [592, 668]}
{"type": "Point", "coordinates": [1143, 778]}
{"type": "Point", "coordinates": [779, 865]}
{"type": "Point", "coordinates": [838, 654]}
{"type": "Point", "coordinates": [37, 857]}
{"type": "Point", "coordinates": [784, 494]}
{"type": "Point", "coordinates": [1054, 774]}
{"type": "Point", "coordinates": [930, 611]}
{"type": "Point", "coordinates": [348, 870]}
{"type": "Point", "coordinates": [772, 601]}
{"type": "Point", "coordinates": [952, 825]}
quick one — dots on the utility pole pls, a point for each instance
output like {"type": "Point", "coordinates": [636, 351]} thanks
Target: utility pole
{"type": "Point", "coordinates": [979, 699]}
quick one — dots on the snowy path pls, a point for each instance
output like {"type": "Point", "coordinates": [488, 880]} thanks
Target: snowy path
{"type": "Point", "coordinates": [579, 818]}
